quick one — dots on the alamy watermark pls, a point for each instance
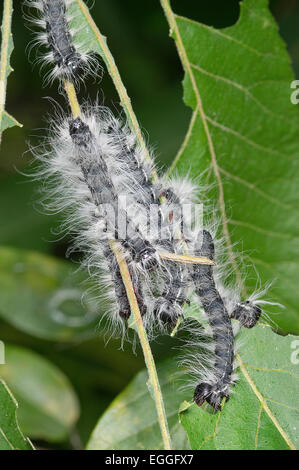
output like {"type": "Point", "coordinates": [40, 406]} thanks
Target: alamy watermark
{"type": "Point", "coordinates": [295, 94]}
{"type": "Point", "coordinates": [125, 216]}
{"type": "Point", "coordinates": [295, 353]}
{"type": "Point", "coordinates": [2, 353]}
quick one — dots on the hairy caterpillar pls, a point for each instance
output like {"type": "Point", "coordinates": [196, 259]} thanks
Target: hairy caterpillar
{"type": "Point", "coordinates": [168, 306]}
{"type": "Point", "coordinates": [68, 57]}
{"type": "Point", "coordinates": [91, 160]}
{"type": "Point", "coordinates": [219, 303]}
{"type": "Point", "coordinates": [218, 386]}
{"type": "Point", "coordinates": [105, 191]}
{"type": "Point", "coordinates": [79, 185]}
{"type": "Point", "coordinates": [95, 160]}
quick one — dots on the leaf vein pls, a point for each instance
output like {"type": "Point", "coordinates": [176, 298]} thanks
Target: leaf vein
{"type": "Point", "coordinates": [255, 189]}
{"type": "Point", "coordinates": [244, 90]}
{"type": "Point", "coordinates": [250, 142]}
{"type": "Point", "coordinates": [261, 230]}
{"type": "Point", "coordinates": [264, 403]}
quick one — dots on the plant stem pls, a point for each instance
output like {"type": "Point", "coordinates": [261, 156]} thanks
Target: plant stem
{"type": "Point", "coordinates": [114, 73]}
{"type": "Point", "coordinates": [4, 66]}
{"type": "Point", "coordinates": [186, 258]}
{"type": "Point", "coordinates": [72, 98]}
{"type": "Point", "coordinates": [149, 360]}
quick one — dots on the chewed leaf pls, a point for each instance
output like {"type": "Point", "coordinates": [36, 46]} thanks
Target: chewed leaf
{"type": "Point", "coordinates": [6, 120]}
{"type": "Point", "coordinates": [263, 411]}
{"type": "Point", "coordinates": [11, 437]}
{"type": "Point", "coordinates": [244, 131]}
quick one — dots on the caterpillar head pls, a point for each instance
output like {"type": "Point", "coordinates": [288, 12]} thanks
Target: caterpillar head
{"type": "Point", "coordinates": [73, 65]}
{"type": "Point", "coordinates": [146, 257]}
{"type": "Point", "coordinates": [79, 132]}
{"type": "Point", "coordinates": [211, 393]}
{"type": "Point", "coordinates": [168, 311]}
{"type": "Point", "coordinates": [248, 313]}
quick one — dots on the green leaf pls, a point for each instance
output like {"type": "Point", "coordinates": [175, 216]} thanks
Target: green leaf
{"type": "Point", "coordinates": [6, 50]}
{"type": "Point", "coordinates": [263, 411]}
{"type": "Point", "coordinates": [8, 121]}
{"type": "Point", "coordinates": [11, 437]}
{"type": "Point", "coordinates": [244, 130]}
{"type": "Point", "coordinates": [42, 296]}
{"type": "Point", "coordinates": [130, 422]}
{"type": "Point", "coordinates": [48, 406]}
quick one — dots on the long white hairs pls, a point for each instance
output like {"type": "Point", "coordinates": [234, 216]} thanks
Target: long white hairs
{"type": "Point", "coordinates": [99, 176]}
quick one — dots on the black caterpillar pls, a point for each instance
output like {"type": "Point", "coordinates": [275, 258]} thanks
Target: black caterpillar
{"type": "Point", "coordinates": [69, 58]}
{"type": "Point", "coordinates": [214, 390]}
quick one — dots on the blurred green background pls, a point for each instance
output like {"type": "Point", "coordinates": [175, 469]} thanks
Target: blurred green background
{"type": "Point", "coordinates": [138, 38]}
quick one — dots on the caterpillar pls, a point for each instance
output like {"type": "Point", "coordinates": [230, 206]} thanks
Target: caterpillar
{"type": "Point", "coordinates": [218, 385]}
{"type": "Point", "coordinates": [95, 159]}
{"type": "Point", "coordinates": [102, 188]}
{"type": "Point", "coordinates": [174, 194]}
{"type": "Point", "coordinates": [220, 305]}
{"type": "Point", "coordinates": [80, 185]}
{"type": "Point", "coordinates": [101, 183]}
{"type": "Point", "coordinates": [146, 194]}
{"type": "Point", "coordinates": [248, 312]}
{"type": "Point", "coordinates": [169, 305]}
{"type": "Point", "coordinates": [67, 56]}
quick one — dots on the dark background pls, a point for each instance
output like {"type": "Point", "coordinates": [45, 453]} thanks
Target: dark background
{"type": "Point", "coordinates": [137, 35]}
